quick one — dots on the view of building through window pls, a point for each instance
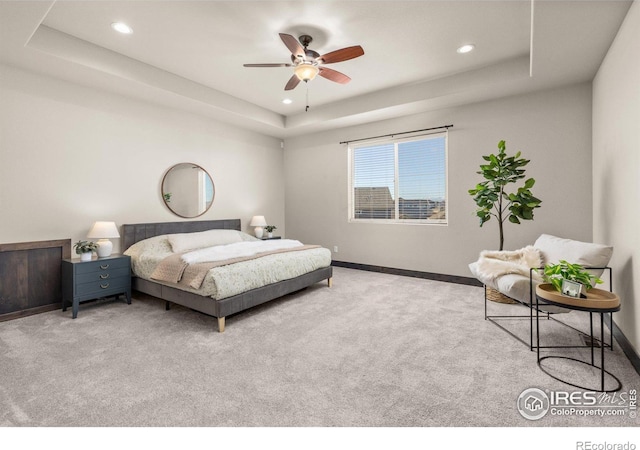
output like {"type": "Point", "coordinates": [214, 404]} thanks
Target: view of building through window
{"type": "Point", "coordinates": [413, 168]}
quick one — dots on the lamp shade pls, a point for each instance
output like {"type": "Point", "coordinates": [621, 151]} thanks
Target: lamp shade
{"type": "Point", "coordinates": [306, 72]}
{"type": "Point", "coordinates": [103, 230]}
{"type": "Point", "coordinates": [258, 221]}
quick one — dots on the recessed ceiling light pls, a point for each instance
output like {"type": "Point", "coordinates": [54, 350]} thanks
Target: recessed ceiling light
{"type": "Point", "coordinates": [287, 101]}
{"type": "Point", "coordinates": [122, 27]}
{"type": "Point", "coordinates": [466, 48]}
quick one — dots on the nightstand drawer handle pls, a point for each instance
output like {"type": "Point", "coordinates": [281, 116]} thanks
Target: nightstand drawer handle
{"type": "Point", "coordinates": [104, 277]}
{"type": "Point", "coordinates": [106, 266]}
{"type": "Point", "coordinates": [104, 286]}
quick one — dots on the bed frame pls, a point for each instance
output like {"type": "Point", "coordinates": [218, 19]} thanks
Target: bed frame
{"type": "Point", "coordinates": [218, 308]}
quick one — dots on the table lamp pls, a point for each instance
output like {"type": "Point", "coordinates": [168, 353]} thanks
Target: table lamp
{"type": "Point", "coordinates": [103, 231]}
{"type": "Point", "coordinates": [258, 222]}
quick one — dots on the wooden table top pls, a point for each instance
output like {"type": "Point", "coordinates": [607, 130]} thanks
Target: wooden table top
{"type": "Point", "coordinates": [597, 299]}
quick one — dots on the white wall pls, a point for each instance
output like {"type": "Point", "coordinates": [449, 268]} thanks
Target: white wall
{"type": "Point", "coordinates": [616, 167]}
{"type": "Point", "coordinates": [71, 155]}
{"type": "Point", "coordinates": [551, 128]}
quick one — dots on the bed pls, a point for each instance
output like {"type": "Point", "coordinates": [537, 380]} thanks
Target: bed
{"type": "Point", "coordinates": [219, 308]}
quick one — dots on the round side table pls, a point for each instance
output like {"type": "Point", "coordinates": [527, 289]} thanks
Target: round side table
{"type": "Point", "coordinates": [597, 301]}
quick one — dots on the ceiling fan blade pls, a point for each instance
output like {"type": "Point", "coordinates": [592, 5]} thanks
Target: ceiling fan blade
{"type": "Point", "coordinates": [343, 54]}
{"type": "Point", "coordinates": [333, 75]}
{"type": "Point", "coordinates": [292, 83]}
{"type": "Point", "coordinates": [292, 44]}
{"type": "Point", "coordinates": [268, 65]}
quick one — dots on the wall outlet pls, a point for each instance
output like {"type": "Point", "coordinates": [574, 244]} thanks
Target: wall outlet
{"type": "Point", "coordinates": [335, 249]}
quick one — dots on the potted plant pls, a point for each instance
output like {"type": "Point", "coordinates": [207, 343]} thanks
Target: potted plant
{"type": "Point", "coordinates": [85, 249]}
{"type": "Point", "coordinates": [556, 274]}
{"type": "Point", "coordinates": [270, 229]}
{"type": "Point", "coordinates": [492, 197]}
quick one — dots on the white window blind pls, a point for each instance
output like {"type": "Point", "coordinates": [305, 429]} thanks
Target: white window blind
{"type": "Point", "coordinates": [399, 181]}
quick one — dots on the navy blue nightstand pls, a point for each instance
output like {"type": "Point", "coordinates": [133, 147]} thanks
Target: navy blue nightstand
{"type": "Point", "coordinates": [98, 278]}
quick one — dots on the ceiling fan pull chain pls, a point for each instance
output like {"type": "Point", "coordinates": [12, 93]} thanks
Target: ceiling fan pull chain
{"type": "Point", "coordinates": [307, 108]}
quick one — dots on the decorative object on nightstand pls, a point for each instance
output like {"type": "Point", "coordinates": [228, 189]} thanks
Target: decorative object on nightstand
{"type": "Point", "coordinates": [269, 229]}
{"type": "Point", "coordinates": [103, 231]}
{"type": "Point", "coordinates": [99, 278]}
{"type": "Point", "coordinates": [85, 249]}
{"type": "Point", "coordinates": [258, 222]}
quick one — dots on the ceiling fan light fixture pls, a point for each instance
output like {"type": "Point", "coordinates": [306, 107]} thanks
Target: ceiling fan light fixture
{"type": "Point", "coordinates": [306, 71]}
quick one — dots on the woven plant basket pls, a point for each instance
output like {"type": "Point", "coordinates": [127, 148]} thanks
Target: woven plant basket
{"type": "Point", "coordinates": [498, 297]}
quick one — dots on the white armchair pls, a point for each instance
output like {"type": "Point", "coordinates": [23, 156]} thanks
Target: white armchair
{"type": "Point", "coordinates": [552, 249]}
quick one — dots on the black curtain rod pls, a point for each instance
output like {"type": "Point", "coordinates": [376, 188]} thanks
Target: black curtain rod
{"type": "Point", "coordinates": [396, 134]}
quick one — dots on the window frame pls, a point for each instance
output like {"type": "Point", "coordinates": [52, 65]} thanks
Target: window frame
{"type": "Point", "coordinates": [396, 141]}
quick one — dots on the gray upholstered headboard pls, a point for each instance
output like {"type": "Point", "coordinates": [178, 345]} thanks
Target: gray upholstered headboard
{"type": "Point", "coordinates": [132, 233]}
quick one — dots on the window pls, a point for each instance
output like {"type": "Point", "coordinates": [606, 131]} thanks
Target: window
{"type": "Point", "coordinates": [399, 181]}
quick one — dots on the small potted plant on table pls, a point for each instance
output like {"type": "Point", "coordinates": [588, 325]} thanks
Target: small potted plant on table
{"type": "Point", "coordinates": [85, 249]}
{"type": "Point", "coordinates": [269, 229]}
{"type": "Point", "coordinates": [569, 279]}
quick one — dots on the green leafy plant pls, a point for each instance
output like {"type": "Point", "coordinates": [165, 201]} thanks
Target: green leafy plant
{"type": "Point", "coordinates": [270, 228]}
{"type": "Point", "coordinates": [85, 247]}
{"type": "Point", "coordinates": [555, 273]}
{"type": "Point", "coordinates": [491, 195]}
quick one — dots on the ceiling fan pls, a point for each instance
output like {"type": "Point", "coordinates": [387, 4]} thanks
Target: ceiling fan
{"type": "Point", "coordinates": [308, 63]}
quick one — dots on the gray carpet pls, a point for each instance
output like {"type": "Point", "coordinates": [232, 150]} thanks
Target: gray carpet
{"type": "Point", "coordinates": [374, 350]}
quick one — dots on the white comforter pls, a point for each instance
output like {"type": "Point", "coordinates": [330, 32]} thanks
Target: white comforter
{"type": "Point", "coordinates": [238, 250]}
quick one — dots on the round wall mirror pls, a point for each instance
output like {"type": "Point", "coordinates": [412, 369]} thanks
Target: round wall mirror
{"type": "Point", "coordinates": [187, 190]}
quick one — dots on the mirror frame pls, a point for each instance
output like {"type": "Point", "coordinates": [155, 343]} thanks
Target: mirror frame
{"type": "Point", "coordinates": [162, 193]}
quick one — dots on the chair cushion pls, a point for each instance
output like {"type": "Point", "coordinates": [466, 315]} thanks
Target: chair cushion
{"type": "Point", "coordinates": [587, 254]}
{"type": "Point", "coordinates": [512, 285]}
{"type": "Point", "coordinates": [515, 286]}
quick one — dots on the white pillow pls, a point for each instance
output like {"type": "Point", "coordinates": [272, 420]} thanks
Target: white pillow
{"type": "Point", "coordinates": [248, 237]}
{"type": "Point", "coordinates": [157, 245]}
{"type": "Point", "coordinates": [189, 241]}
{"type": "Point", "coordinates": [554, 249]}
